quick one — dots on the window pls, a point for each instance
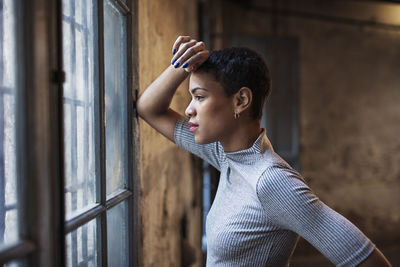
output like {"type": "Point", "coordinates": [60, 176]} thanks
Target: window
{"type": "Point", "coordinates": [67, 168]}
{"type": "Point", "coordinates": [8, 195]}
{"type": "Point", "coordinates": [96, 133]}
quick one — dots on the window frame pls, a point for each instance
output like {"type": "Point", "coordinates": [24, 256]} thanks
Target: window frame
{"type": "Point", "coordinates": [40, 151]}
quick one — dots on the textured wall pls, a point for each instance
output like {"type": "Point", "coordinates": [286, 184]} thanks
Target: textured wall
{"type": "Point", "coordinates": [350, 114]}
{"type": "Point", "coordinates": [349, 101]}
{"type": "Point", "coordinates": [170, 187]}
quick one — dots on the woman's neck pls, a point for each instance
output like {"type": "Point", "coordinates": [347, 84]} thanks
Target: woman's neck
{"type": "Point", "coordinates": [243, 137]}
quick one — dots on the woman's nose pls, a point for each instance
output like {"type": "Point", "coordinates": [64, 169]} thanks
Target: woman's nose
{"type": "Point", "coordinates": [190, 112]}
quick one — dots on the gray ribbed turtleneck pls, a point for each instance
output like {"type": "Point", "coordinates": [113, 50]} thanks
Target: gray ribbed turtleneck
{"type": "Point", "coordinates": [261, 207]}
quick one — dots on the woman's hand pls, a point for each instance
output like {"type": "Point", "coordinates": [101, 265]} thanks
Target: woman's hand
{"type": "Point", "coordinates": [188, 53]}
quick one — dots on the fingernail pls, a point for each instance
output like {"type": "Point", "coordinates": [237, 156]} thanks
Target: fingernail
{"type": "Point", "coordinates": [174, 51]}
{"type": "Point", "coordinates": [173, 61]}
{"type": "Point", "coordinates": [176, 65]}
{"type": "Point", "coordinates": [185, 65]}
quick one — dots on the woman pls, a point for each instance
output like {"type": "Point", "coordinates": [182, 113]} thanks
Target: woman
{"type": "Point", "coordinates": [262, 205]}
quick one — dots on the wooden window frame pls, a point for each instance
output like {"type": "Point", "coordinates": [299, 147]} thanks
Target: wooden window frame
{"type": "Point", "coordinates": [40, 152]}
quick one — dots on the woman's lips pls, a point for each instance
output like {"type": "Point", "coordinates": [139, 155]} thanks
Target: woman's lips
{"type": "Point", "coordinates": [193, 126]}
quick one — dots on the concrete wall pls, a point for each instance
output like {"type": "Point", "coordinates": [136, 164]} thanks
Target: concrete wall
{"type": "Point", "coordinates": [170, 186]}
{"type": "Point", "coordinates": [349, 99]}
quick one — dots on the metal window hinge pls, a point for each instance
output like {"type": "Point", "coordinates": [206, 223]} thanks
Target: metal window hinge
{"type": "Point", "coordinates": [58, 76]}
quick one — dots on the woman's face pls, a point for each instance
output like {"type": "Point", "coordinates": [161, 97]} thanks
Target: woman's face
{"type": "Point", "coordinates": [211, 113]}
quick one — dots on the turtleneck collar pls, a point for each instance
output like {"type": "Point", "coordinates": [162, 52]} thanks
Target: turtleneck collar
{"type": "Point", "coordinates": [258, 148]}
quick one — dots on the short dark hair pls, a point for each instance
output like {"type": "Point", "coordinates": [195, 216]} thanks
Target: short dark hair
{"type": "Point", "coordinates": [239, 67]}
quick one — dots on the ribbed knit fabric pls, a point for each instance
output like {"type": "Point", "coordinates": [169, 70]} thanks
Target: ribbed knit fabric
{"type": "Point", "coordinates": [261, 207]}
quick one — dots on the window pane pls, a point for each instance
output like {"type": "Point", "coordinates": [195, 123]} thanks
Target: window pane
{"type": "Point", "coordinates": [80, 57]}
{"type": "Point", "coordinates": [8, 190]}
{"type": "Point", "coordinates": [81, 246]}
{"type": "Point", "coordinates": [117, 235]}
{"type": "Point", "coordinates": [16, 263]}
{"type": "Point", "coordinates": [115, 97]}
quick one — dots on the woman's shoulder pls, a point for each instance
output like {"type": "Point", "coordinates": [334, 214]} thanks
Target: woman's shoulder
{"type": "Point", "coordinates": [278, 177]}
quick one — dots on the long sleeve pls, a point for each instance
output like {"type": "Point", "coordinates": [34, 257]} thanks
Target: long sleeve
{"type": "Point", "coordinates": [291, 205]}
{"type": "Point", "coordinates": [212, 153]}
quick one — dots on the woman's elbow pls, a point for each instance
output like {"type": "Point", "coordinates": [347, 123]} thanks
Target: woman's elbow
{"type": "Point", "coordinates": [375, 259]}
{"type": "Point", "coordinates": [142, 108]}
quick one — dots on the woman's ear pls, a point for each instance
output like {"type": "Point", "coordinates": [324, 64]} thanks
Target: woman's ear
{"type": "Point", "coordinates": [242, 100]}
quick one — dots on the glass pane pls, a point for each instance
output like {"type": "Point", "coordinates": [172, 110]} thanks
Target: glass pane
{"type": "Point", "coordinates": [80, 57]}
{"type": "Point", "coordinates": [81, 246]}
{"type": "Point", "coordinates": [118, 235]}
{"type": "Point", "coordinates": [17, 263]}
{"type": "Point", "coordinates": [8, 190]}
{"type": "Point", "coordinates": [115, 97]}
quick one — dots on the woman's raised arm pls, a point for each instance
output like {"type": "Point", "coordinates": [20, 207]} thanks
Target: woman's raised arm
{"type": "Point", "coordinates": [153, 104]}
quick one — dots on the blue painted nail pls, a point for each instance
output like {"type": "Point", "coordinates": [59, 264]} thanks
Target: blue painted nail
{"type": "Point", "coordinates": [176, 65]}
{"type": "Point", "coordinates": [174, 51]}
{"type": "Point", "coordinates": [173, 61]}
{"type": "Point", "coordinates": [185, 65]}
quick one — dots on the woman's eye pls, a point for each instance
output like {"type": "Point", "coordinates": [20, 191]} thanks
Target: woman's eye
{"type": "Point", "coordinates": [198, 97]}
